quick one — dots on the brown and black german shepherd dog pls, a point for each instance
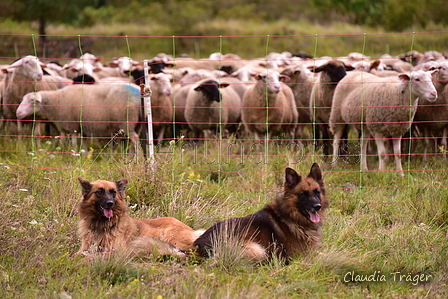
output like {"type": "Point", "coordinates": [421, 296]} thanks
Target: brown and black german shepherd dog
{"type": "Point", "coordinates": [106, 226]}
{"type": "Point", "coordinates": [289, 225]}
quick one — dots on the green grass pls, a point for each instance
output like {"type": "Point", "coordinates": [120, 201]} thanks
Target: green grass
{"type": "Point", "coordinates": [382, 224]}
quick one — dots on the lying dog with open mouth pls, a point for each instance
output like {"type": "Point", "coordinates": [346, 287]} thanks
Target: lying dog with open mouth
{"type": "Point", "coordinates": [106, 226]}
{"type": "Point", "coordinates": [289, 225]}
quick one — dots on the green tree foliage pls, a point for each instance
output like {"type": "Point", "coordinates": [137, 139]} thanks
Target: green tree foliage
{"type": "Point", "coordinates": [400, 15]}
{"type": "Point", "coordinates": [184, 16]}
{"type": "Point", "coordinates": [392, 15]}
{"type": "Point", "coordinates": [366, 12]}
{"type": "Point", "coordinates": [48, 11]}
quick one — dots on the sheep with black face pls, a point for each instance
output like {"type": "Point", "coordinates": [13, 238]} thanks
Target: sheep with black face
{"type": "Point", "coordinates": [209, 107]}
{"type": "Point", "coordinates": [321, 97]}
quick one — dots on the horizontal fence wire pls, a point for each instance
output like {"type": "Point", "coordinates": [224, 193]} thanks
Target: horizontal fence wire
{"type": "Point", "coordinates": [223, 141]}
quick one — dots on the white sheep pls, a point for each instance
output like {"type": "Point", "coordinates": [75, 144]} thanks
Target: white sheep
{"type": "Point", "coordinates": [179, 100]}
{"type": "Point", "coordinates": [245, 74]}
{"type": "Point", "coordinates": [395, 64]}
{"type": "Point", "coordinates": [92, 59]}
{"type": "Point", "coordinates": [96, 111]}
{"type": "Point", "coordinates": [196, 64]}
{"type": "Point", "coordinates": [120, 67]}
{"type": "Point", "coordinates": [161, 108]}
{"type": "Point", "coordinates": [266, 107]}
{"type": "Point", "coordinates": [23, 76]}
{"type": "Point", "coordinates": [209, 107]}
{"type": "Point", "coordinates": [301, 84]}
{"type": "Point", "coordinates": [384, 106]}
{"type": "Point", "coordinates": [78, 67]}
{"type": "Point", "coordinates": [432, 119]}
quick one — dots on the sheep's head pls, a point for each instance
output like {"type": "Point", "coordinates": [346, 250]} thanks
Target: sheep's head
{"type": "Point", "coordinates": [335, 70]}
{"type": "Point", "coordinates": [272, 80]}
{"type": "Point", "coordinates": [442, 76]}
{"type": "Point", "coordinates": [124, 64]}
{"type": "Point", "coordinates": [29, 105]}
{"type": "Point", "coordinates": [28, 66]}
{"type": "Point", "coordinates": [161, 83]}
{"type": "Point", "coordinates": [210, 90]}
{"type": "Point", "coordinates": [78, 67]}
{"type": "Point", "coordinates": [421, 84]}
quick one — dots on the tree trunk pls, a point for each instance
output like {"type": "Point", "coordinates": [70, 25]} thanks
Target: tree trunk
{"type": "Point", "coordinates": [42, 36]}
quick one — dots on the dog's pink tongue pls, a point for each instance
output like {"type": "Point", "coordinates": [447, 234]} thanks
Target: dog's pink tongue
{"type": "Point", "coordinates": [314, 216]}
{"type": "Point", "coordinates": [108, 213]}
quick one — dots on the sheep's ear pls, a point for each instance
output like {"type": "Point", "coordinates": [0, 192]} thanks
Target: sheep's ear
{"type": "Point", "coordinates": [284, 78]}
{"type": "Point", "coordinates": [404, 77]}
{"type": "Point", "coordinates": [136, 63]}
{"type": "Point", "coordinates": [315, 69]}
{"type": "Point", "coordinates": [5, 70]}
{"type": "Point", "coordinates": [197, 88]}
{"type": "Point", "coordinates": [348, 67]}
{"type": "Point", "coordinates": [113, 63]}
{"type": "Point", "coordinates": [38, 98]}
{"type": "Point", "coordinates": [97, 70]}
{"type": "Point", "coordinates": [434, 72]}
{"type": "Point", "coordinates": [287, 72]}
{"type": "Point", "coordinates": [375, 64]}
{"type": "Point", "coordinates": [16, 63]}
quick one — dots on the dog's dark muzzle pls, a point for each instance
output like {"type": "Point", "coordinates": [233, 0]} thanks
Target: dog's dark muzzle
{"type": "Point", "coordinates": [317, 207]}
{"type": "Point", "coordinates": [312, 209]}
{"type": "Point", "coordinates": [109, 204]}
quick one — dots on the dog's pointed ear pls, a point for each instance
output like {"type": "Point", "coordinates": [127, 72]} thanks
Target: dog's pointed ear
{"type": "Point", "coordinates": [292, 178]}
{"type": "Point", "coordinates": [86, 186]}
{"type": "Point", "coordinates": [316, 173]}
{"type": "Point", "coordinates": [121, 184]}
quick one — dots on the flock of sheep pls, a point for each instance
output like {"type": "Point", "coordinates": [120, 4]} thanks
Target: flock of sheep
{"type": "Point", "coordinates": [264, 97]}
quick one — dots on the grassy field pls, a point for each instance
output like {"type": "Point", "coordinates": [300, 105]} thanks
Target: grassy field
{"type": "Point", "coordinates": [388, 230]}
{"type": "Point", "coordinates": [384, 236]}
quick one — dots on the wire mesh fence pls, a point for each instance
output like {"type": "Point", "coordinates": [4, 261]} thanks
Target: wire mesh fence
{"type": "Point", "coordinates": [219, 115]}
